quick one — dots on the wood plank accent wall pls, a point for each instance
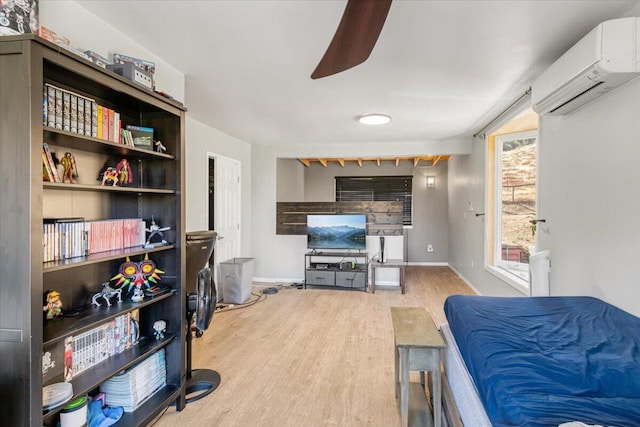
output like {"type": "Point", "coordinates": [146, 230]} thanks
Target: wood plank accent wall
{"type": "Point", "coordinates": [383, 218]}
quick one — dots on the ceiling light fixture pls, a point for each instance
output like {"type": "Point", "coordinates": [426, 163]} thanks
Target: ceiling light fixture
{"type": "Point", "coordinates": [374, 119]}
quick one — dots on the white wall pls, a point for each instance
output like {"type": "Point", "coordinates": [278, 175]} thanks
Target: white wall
{"type": "Point", "coordinates": [290, 180]}
{"type": "Point", "coordinates": [88, 32]}
{"type": "Point", "coordinates": [202, 139]}
{"type": "Point", "coordinates": [590, 197]}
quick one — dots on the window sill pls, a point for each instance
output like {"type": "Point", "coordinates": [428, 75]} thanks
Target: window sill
{"type": "Point", "coordinates": [512, 279]}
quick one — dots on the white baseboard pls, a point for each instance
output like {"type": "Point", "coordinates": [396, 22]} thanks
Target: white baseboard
{"type": "Point", "coordinates": [276, 280]}
{"type": "Point", "coordinates": [464, 279]}
{"type": "Point", "coordinates": [430, 264]}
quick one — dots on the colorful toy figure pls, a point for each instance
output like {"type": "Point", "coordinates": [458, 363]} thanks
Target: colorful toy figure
{"type": "Point", "coordinates": [136, 275]}
{"type": "Point", "coordinates": [125, 174]}
{"type": "Point", "coordinates": [68, 163]}
{"type": "Point", "coordinates": [110, 176]}
{"type": "Point", "coordinates": [54, 305]}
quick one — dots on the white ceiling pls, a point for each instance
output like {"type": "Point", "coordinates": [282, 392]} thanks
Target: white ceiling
{"type": "Point", "coordinates": [441, 69]}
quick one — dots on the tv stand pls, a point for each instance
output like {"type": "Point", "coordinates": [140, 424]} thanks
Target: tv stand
{"type": "Point", "coordinates": [337, 269]}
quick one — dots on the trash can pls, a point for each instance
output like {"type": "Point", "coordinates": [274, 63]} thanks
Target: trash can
{"type": "Point", "coordinates": [235, 276]}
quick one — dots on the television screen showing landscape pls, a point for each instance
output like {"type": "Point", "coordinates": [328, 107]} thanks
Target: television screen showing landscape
{"type": "Point", "coordinates": [336, 231]}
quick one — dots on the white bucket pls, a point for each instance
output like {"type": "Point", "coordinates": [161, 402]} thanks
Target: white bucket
{"type": "Point", "coordinates": [75, 413]}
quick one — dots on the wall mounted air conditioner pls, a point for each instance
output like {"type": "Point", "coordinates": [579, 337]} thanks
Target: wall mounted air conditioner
{"type": "Point", "coordinates": [602, 60]}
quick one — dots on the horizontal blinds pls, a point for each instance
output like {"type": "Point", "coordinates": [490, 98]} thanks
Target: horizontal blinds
{"type": "Point", "coordinates": [377, 189]}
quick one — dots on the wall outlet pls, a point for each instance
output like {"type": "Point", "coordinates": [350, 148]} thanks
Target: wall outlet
{"type": "Point", "coordinates": [429, 248]}
{"type": "Point", "coordinates": [471, 263]}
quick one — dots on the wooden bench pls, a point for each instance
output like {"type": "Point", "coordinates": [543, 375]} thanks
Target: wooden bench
{"type": "Point", "coordinates": [417, 346]}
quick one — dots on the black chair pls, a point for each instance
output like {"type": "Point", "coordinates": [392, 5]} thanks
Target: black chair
{"type": "Point", "coordinates": [201, 302]}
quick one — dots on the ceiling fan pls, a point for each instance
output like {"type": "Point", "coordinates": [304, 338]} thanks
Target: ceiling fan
{"type": "Point", "coordinates": [359, 28]}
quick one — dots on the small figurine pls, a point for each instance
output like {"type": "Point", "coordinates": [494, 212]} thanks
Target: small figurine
{"type": "Point", "coordinates": [155, 230]}
{"type": "Point", "coordinates": [125, 174]}
{"type": "Point", "coordinates": [160, 327]}
{"type": "Point", "coordinates": [110, 177]}
{"type": "Point", "coordinates": [160, 148]}
{"type": "Point", "coordinates": [68, 163]}
{"type": "Point", "coordinates": [106, 293]}
{"type": "Point", "coordinates": [54, 305]}
{"type": "Point", "coordinates": [138, 294]}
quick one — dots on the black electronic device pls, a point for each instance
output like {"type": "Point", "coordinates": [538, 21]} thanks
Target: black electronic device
{"type": "Point", "coordinates": [346, 266]}
{"type": "Point", "coordinates": [201, 303]}
{"type": "Point", "coordinates": [322, 266]}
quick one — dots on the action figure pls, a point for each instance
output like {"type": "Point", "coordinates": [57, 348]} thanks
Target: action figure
{"type": "Point", "coordinates": [125, 174]}
{"type": "Point", "coordinates": [110, 176]}
{"type": "Point", "coordinates": [54, 305]}
{"type": "Point", "coordinates": [160, 148]}
{"type": "Point", "coordinates": [68, 163]}
{"type": "Point", "coordinates": [156, 230]}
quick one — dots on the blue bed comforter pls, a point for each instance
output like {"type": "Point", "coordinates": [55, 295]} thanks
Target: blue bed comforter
{"type": "Point", "coordinates": [547, 360]}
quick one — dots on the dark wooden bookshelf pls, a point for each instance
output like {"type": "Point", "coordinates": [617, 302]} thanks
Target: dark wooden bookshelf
{"type": "Point", "coordinates": [28, 63]}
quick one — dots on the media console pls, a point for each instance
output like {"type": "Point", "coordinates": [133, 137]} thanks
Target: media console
{"type": "Point", "coordinates": [337, 269]}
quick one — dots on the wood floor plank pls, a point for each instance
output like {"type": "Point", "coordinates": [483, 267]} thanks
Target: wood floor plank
{"type": "Point", "coordinates": [312, 357]}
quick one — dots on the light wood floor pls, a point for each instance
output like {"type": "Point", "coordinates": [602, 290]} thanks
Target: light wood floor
{"type": "Point", "coordinates": [314, 357]}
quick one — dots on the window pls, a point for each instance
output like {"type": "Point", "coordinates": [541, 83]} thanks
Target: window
{"type": "Point", "coordinates": [511, 181]}
{"type": "Point", "coordinates": [377, 189]}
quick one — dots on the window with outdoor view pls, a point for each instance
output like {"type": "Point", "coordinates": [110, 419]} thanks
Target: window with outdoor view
{"type": "Point", "coordinates": [512, 166]}
{"type": "Point", "coordinates": [515, 201]}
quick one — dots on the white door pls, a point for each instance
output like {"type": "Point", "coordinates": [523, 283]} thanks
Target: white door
{"type": "Point", "coordinates": [227, 208]}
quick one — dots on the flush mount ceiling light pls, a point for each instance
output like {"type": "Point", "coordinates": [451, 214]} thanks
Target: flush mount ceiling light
{"type": "Point", "coordinates": [374, 119]}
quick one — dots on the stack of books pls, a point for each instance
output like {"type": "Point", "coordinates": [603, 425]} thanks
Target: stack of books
{"type": "Point", "coordinates": [89, 348]}
{"type": "Point", "coordinates": [64, 238]}
{"type": "Point", "coordinates": [137, 384]}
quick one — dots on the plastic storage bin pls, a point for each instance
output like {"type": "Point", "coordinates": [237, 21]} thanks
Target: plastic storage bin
{"type": "Point", "coordinates": [235, 277]}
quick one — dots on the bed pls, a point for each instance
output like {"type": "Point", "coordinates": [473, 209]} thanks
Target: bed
{"type": "Point", "coordinates": [542, 361]}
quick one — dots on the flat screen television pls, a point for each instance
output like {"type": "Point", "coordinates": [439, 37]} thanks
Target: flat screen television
{"type": "Point", "coordinates": [336, 231]}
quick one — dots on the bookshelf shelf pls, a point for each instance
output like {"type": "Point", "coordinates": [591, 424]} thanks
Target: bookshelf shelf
{"type": "Point", "coordinates": [106, 188]}
{"type": "Point", "coordinates": [95, 145]}
{"type": "Point", "coordinates": [63, 327]}
{"type": "Point", "coordinates": [85, 382]}
{"type": "Point", "coordinates": [30, 67]}
{"type": "Point", "coordinates": [101, 257]}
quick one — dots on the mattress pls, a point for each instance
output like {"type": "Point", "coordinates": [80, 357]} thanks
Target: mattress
{"type": "Point", "coordinates": [547, 360]}
{"type": "Point", "coordinates": [464, 391]}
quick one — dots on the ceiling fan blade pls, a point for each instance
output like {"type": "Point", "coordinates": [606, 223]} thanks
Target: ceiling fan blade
{"type": "Point", "coordinates": [355, 37]}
